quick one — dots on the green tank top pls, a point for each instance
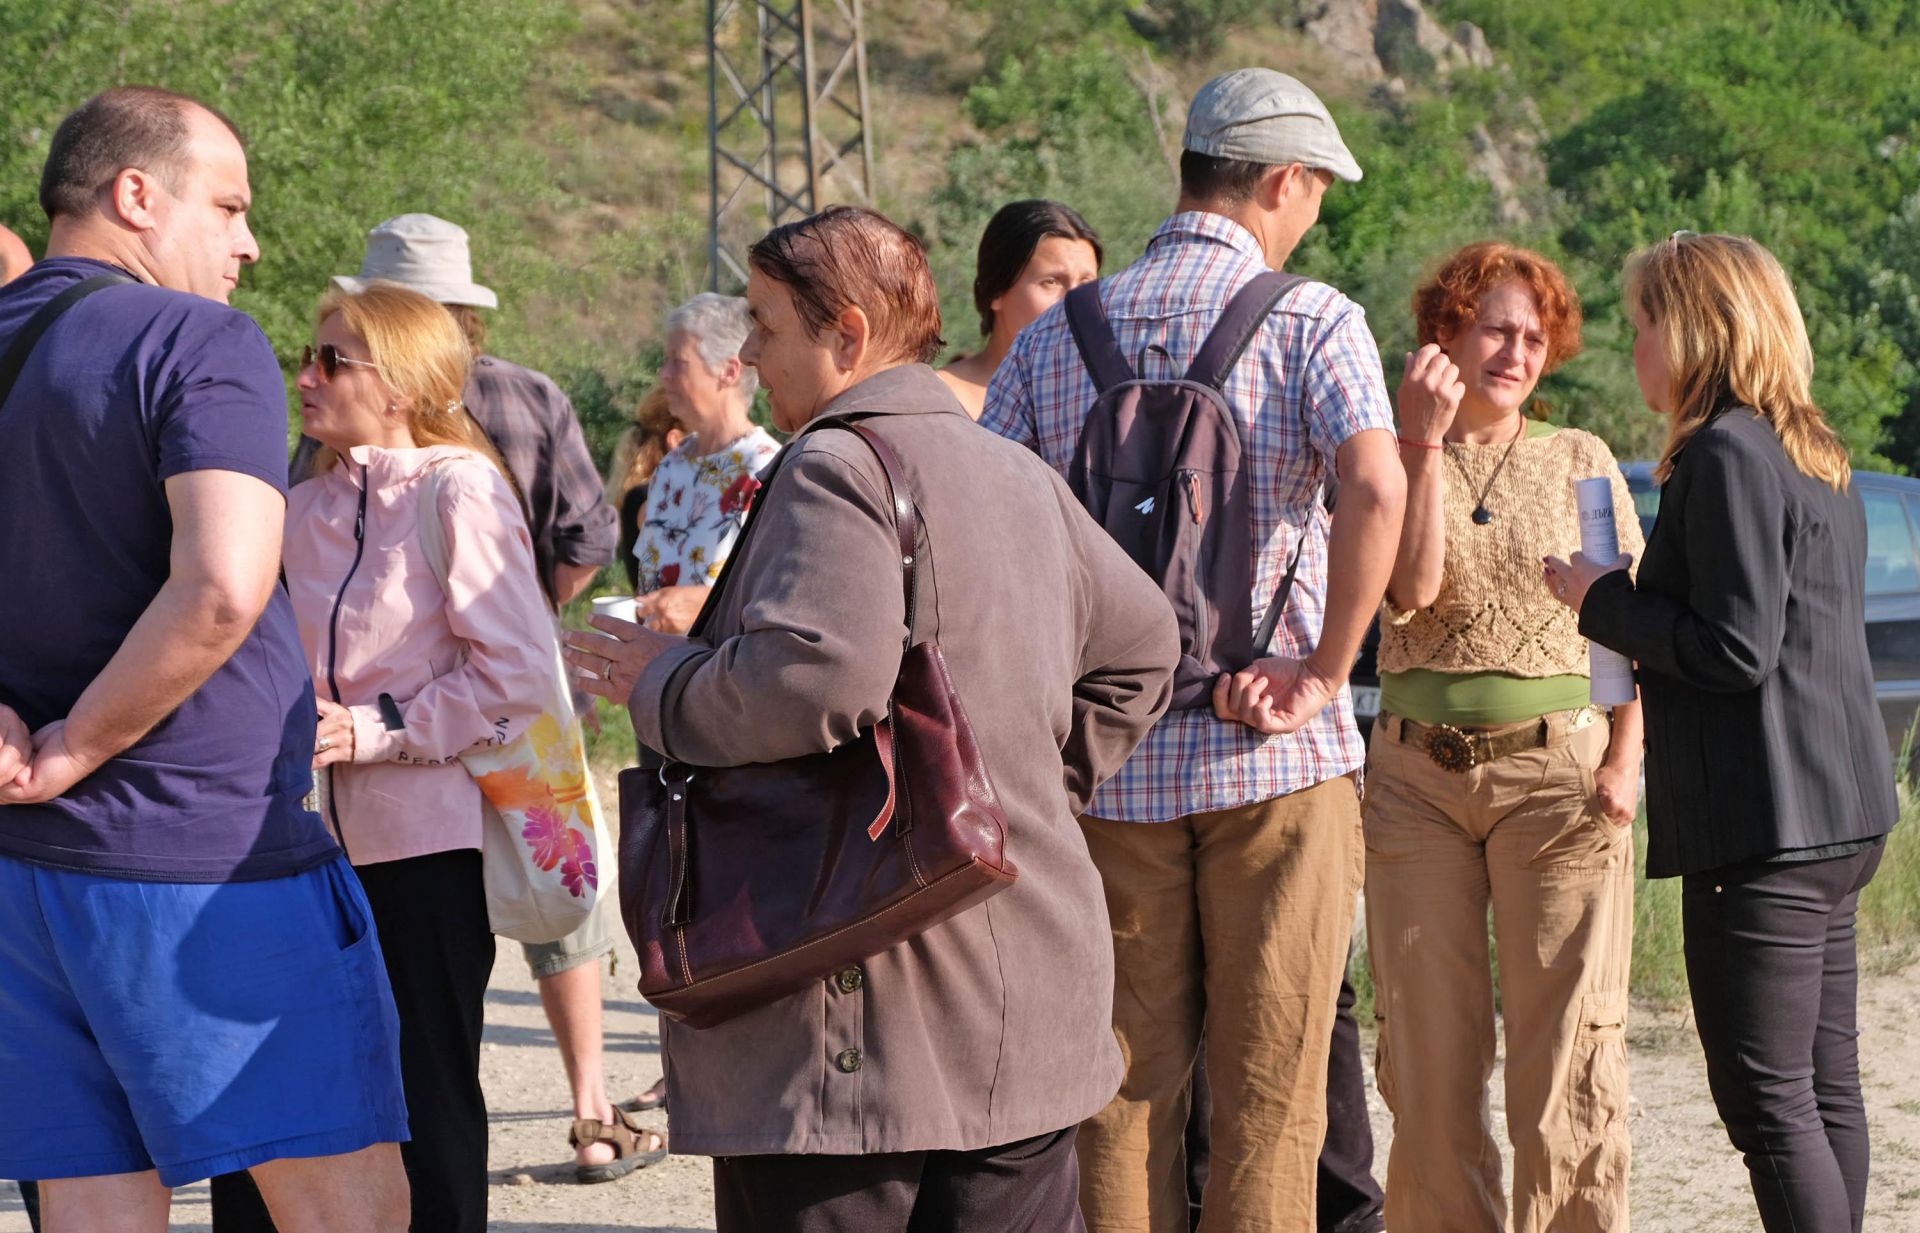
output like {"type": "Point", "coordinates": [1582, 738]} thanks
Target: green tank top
{"type": "Point", "coordinates": [1478, 699]}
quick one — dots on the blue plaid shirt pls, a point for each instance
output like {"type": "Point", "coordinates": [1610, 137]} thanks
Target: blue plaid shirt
{"type": "Point", "coordinates": [1310, 380]}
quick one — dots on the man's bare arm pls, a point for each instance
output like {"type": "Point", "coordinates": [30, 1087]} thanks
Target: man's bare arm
{"type": "Point", "coordinates": [224, 563]}
{"type": "Point", "coordinates": [1278, 694]}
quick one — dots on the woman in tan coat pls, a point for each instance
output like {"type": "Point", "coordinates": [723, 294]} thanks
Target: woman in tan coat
{"type": "Point", "coordinates": [938, 1083]}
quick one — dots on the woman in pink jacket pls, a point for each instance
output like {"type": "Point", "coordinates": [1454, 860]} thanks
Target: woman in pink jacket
{"type": "Point", "coordinates": [408, 674]}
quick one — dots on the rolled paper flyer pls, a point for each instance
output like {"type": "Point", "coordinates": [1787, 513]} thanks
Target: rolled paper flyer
{"type": "Point", "coordinates": [1612, 672]}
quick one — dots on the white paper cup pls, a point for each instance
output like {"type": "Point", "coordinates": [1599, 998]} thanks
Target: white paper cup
{"type": "Point", "coordinates": [619, 607]}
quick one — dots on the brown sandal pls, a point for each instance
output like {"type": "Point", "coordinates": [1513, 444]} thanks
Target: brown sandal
{"type": "Point", "coordinates": [622, 1134]}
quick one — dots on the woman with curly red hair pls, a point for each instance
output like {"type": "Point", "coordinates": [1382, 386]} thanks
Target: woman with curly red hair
{"type": "Point", "coordinates": [1494, 782]}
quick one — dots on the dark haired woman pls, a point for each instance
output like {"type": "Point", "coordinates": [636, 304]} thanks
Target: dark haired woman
{"type": "Point", "coordinates": [1031, 254]}
{"type": "Point", "coordinates": [937, 1086]}
{"type": "Point", "coordinates": [1769, 787]}
{"type": "Point", "coordinates": [1494, 783]}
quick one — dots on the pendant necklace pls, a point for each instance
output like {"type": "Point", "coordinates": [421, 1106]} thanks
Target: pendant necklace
{"type": "Point", "coordinates": [1481, 514]}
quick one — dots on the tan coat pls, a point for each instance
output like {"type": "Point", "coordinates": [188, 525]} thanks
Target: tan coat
{"type": "Point", "coordinates": [997, 1025]}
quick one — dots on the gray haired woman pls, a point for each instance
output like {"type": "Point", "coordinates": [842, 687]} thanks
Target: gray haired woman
{"type": "Point", "coordinates": [701, 491]}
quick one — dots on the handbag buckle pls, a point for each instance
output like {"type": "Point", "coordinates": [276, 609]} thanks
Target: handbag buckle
{"type": "Point", "coordinates": [1450, 749]}
{"type": "Point", "coordinates": [683, 781]}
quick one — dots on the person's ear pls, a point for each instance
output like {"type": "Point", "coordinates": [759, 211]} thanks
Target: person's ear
{"type": "Point", "coordinates": [852, 338]}
{"type": "Point", "coordinates": [730, 371]}
{"type": "Point", "coordinates": [1280, 185]}
{"type": "Point", "coordinates": [135, 197]}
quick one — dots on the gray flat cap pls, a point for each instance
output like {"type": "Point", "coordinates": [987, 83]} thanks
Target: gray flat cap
{"type": "Point", "coordinates": [1259, 116]}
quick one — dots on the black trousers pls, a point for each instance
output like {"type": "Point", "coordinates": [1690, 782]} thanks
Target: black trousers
{"type": "Point", "coordinates": [431, 912]}
{"type": "Point", "coordinates": [1348, 1199]}
{"type": "Point", "coordinates": [1032, 1186]}
{"type": "Point", "coordinates": [1774, 977]}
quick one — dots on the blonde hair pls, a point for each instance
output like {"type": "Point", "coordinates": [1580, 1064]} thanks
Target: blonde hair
{"type": "Point", "coordinates": [423, 359]}
{"type": "Point", "coordinates": [1733, 336]}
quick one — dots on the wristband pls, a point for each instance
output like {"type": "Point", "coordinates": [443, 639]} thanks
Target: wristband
{"type": "Point", "coordinates": [1425, 445]}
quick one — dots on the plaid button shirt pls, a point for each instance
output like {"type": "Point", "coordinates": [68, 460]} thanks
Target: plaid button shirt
{"type": "Point", "coordinates": [1310, 380]}
{"type": "Point", "coordinates": [533, 425]}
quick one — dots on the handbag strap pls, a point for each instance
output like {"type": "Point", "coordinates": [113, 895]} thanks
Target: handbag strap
{"type": "Point", "coordinates": [900, 504]}
{"type": "Point", "coordinates": [906, 516]}
{"type": "Point", "coordinates": [15, 361]}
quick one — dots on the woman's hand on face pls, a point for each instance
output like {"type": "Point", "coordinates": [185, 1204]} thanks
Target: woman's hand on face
{"type": "Point", "coordinates": [1568, 581]}
{"type": "Point", "coordinates": [333, 740]}
{"type": "Point", "coordinates": [671, 610]}
{"type": "Point", "coordinates": [1429, 395]}
{"type": "Point", "coordinates": [1616, 790]}
{"type": "Point", "coordinates": [610, 666]}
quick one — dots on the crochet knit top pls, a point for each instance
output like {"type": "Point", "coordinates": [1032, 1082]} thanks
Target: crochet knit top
{"type": "Point", "coordinates": [1494, 612]}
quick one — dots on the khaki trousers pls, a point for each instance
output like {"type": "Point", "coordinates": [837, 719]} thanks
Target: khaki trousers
{"type": "Point", "coordinates": [1520, 834]}
{"type": "Point", "coordinates": [1234, 923]}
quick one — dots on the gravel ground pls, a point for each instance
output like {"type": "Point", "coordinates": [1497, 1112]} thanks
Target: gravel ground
{"type": "Point", "coordinates": [1686, 1178]}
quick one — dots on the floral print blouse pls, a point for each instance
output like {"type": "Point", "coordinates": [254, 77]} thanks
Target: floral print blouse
{"type": "Point", "coordinates": [696, 505]}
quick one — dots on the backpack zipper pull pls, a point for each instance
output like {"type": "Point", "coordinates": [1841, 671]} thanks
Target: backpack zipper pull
{"type": "Point", "coordinates": [1193, 495]}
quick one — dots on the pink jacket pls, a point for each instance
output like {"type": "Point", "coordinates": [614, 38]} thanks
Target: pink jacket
{"type": "Point", "coordinates": [461, 666]}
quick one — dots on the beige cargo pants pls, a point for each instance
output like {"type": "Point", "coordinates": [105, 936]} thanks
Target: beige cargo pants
{"type": "Point", "coordinates": [1233, 925]}
{"type": "Point", "coordinates": [1523, 836]}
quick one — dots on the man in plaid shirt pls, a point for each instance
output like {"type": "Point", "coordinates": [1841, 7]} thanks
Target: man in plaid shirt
{"type": "Point", "coordinates": [1230, 844]}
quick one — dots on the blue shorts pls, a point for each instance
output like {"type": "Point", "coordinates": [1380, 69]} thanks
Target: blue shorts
{"type": "Point", "coordinates": [192, 1028]}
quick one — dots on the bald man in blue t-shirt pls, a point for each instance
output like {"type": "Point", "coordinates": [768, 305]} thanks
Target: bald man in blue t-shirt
{"type": "Point", "coordinates": [190, 982]}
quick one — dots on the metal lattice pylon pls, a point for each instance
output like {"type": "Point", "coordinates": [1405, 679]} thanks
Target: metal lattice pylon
{"type": "Point", "coordinates": [766, 167]}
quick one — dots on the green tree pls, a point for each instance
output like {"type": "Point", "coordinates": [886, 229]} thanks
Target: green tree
{"type": "Point", "coordinates": [353, 113]}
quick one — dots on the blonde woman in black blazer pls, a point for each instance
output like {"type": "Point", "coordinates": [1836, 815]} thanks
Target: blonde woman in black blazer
{"type": "Point", "coordinates": [1769, 786]}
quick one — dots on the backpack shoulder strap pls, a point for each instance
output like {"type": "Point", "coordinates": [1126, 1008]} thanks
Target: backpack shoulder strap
{"type": "Point", "coordinates": [15, 359]}
{"type": "Point", "coordinates": [1093, 334]}
{"type": "Point", "coordinates": [1238, 323]}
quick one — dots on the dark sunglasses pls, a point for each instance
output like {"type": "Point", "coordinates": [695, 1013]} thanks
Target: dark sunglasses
{"type": "Point", "coordinates": [329, 358]}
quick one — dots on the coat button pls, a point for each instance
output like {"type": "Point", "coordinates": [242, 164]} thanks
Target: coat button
{"type": "Point", "coordinates": [849, 979]}
{"type": "Point", "coordinates": [849, 1061]}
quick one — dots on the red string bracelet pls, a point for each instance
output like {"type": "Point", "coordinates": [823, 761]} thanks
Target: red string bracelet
{"type": "Point", "coordinates": [1425, 445]}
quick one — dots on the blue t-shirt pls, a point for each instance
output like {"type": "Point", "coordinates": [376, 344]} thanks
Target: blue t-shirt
{"type": "Point", "coordinates": [132, 386]}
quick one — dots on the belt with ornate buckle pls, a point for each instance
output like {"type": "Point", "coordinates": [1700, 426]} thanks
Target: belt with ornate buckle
{"type": "Point", "coordinates": [1459, 750]}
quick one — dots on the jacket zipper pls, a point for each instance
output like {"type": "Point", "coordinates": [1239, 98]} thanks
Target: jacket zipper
{"type": "Point", "coordinates": [333, 647]}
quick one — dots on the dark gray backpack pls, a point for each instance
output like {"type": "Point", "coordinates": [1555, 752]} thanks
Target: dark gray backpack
{"type": "Point", "coordinates": [1159, 466]}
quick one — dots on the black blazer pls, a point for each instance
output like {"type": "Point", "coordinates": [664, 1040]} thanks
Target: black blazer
{"type": "Point", "coordinates": [1748, 621]}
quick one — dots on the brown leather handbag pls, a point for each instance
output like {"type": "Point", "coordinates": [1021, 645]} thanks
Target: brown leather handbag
{"type": "Point", "coordinates": [743, 884]}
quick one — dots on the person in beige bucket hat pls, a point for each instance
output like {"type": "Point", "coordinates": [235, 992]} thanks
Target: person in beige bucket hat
{"type": "Point", "coordinates": [425, 253]}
